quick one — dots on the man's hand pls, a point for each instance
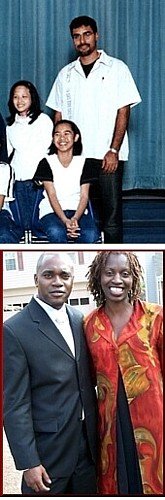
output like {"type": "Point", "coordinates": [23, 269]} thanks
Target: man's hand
{"type": "Point", "coordinates": [110, 162]}
{"type": "Point", "coordinates": [36, 478]}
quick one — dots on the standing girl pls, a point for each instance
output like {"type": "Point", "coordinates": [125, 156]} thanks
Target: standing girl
{"type": "Point", "coordinates": [29, 134]}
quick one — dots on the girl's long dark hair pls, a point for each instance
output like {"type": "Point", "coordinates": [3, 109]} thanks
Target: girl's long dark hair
{"type": "Point", "coordinates": [77, 146]}
{"type": "Point", "coordinates": [35, 109]}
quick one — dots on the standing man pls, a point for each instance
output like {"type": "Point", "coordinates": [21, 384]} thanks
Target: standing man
{"type": "Point", "coordinates": [96, 92]}
{"type": "Point", "coordinates": [50, 403]}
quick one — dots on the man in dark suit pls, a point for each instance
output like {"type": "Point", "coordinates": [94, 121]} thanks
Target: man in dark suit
{"type": "Point", "coordinates": [50, 402]}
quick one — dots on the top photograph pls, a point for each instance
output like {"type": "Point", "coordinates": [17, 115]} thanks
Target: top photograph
{"type": "Point", "coordinates": [81, 122]}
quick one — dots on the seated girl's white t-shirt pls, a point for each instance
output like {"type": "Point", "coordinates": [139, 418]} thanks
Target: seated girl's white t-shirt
{"type": "Point", "coordinates": [66, 182]}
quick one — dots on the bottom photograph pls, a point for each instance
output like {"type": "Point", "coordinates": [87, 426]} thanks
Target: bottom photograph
{"type": "Point", "coordinates": [83, 407]}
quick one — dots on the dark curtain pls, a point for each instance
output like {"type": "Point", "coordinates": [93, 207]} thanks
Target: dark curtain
{"type": "Point", "coordinates": [36, 43]}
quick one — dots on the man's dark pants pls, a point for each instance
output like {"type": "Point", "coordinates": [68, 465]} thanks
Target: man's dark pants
{"type": "Point", "coordinates": [106, 197]}
{"type": "Point", "coordinates": [82, 481]}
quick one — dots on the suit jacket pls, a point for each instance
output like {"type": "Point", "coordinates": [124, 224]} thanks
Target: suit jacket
{"type": "Point", "coordinates": [45, 388]}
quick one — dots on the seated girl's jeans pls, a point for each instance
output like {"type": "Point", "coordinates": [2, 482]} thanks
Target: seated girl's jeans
{"type": "Point", "coordinates": [10, 232]}
{"type": "Point", "coordinates": [26, 195]}
{"type": "Point", "coordinates": [56, 231]}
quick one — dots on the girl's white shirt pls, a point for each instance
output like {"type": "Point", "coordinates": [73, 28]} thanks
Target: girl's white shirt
{"type": "Point", "coordinates": [30, 142]}
{"type": "Point", "coordinates": [67, 184]}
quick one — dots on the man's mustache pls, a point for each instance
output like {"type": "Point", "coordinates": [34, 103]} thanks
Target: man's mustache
{"type": "Point", "coordinates": [83, 45]}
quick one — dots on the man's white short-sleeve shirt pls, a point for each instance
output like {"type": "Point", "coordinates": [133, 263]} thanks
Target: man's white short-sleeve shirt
{"type": "Point", "coordinates": [92, 102]}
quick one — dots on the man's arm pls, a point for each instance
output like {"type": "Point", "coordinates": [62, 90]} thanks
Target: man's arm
{"type": "Point", "coordinates": [57, 116]}
{"type": "Point", "coordinates": [110, 160]}
{"type": "Point", "coordinates": [17, 403]}
{"type": "Point", "coordinates": [18, 421]}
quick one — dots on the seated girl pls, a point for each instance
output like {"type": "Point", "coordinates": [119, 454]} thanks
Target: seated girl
{"type": "Point", "coordinates": [64, 212]}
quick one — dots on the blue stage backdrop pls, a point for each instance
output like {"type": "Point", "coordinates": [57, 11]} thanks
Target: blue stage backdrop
{"type": "Point", "coordinates": [36, 43]}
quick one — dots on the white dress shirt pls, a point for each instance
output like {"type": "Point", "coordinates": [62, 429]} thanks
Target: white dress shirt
{"type": "Point", "coordinates": [61, 321]}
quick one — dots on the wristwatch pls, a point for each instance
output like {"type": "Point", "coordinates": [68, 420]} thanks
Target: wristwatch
{"type": "Point", "coordinates": [113, 150]}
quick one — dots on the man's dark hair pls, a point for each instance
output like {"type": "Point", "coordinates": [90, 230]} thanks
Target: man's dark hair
{"type": "Point", "coordinates": [50, 253]}
{"type": "Point", "coordinates": [83, 20]}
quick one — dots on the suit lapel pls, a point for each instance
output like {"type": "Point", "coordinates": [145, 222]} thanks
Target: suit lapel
{"type": "Point", "coordinates": [47, 327]}
{"type": "Point", "coordinates": [76, 329]}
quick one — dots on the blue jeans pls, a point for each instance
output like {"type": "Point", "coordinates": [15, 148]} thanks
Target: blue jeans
{"type": "Point", "coordinates": [27, 197]}
{"type": "Point", "coordinates": [56, 231]}
{"type": "Point", "coordinates": [25, 211]}
{"type": "Point", "coordinates": [10, 232]}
